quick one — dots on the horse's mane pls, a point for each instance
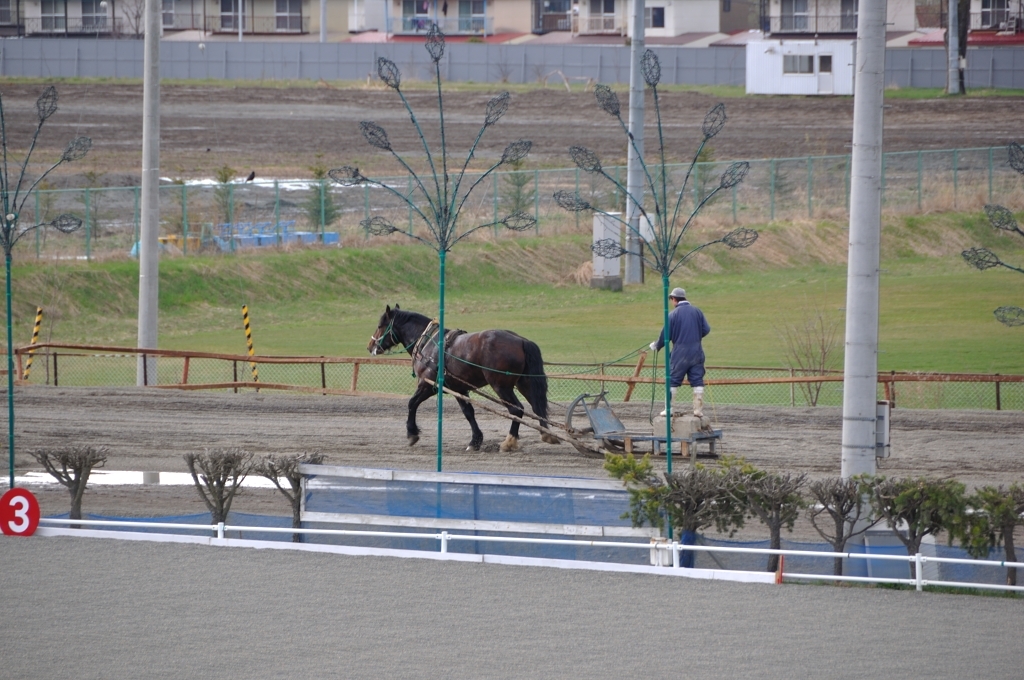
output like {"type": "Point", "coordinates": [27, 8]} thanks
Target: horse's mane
{"type": "Point", "coordinates": [406, 315]}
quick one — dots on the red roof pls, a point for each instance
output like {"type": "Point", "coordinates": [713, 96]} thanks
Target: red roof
{"type": "Point", "coordinates": [937, 38]}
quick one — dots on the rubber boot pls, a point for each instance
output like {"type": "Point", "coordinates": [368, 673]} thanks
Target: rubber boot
{"type": "Point", "coordinates": [673, 390]}
{"type": "Point", "coordinates": [698, 404]}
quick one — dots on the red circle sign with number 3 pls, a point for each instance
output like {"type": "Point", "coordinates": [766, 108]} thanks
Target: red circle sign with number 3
{"type": "Point", "coordinates": [19, 513]}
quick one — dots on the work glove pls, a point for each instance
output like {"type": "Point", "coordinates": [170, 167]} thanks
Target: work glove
{"type": "Point", "coordinates": [654, 346]}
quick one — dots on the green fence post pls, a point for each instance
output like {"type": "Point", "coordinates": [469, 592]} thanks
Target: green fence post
{"type": "Point", "coordinates": [409, 194]}
{"type": "Point", "coordinates": [577, 213]}
{"type": "Point", "coordinates": [990, 174]}
{"type": "Point", "coordinates": [231, 215]}
{"type": "Point", "coordinates": [884, 156]}
{"type": "Point", "coordinates": [184, 219]}
{"type": "Point", "coordinates": [956, 163]}
{"type": "Point", "coordinates": [277, 209]}
{"type": "Point", "coordinates": [37, 220]}
{"type": "Point", "coordinates": [536, 201]}
{"type": "Point", "coordinates": [734, 203]}
{"type": "Point", "coordinates": [323, 207]}
{"type": "Point", "coordinates": [810, 188]}
{"type": "Point", "coordinates": [135, 218]}
{"type": "Point", "coordinates": [495, 192]}
{"type": "Point", "coordinates": [920, 173]}
{"type": "Point", "coordinates": [846, 182]}
{"type": "Point", "coordinates": [366, 208]}
{"type": "Point", "coordinates": [88, 226]}
{"type": "Point", "coordinates": [771, 191]}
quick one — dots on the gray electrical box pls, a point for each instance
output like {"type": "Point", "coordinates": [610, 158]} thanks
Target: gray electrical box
{"type": "Point", "coordinates": [882, 411]}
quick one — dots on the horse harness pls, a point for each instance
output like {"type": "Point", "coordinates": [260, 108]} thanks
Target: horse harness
{"type": "Point", "coordinates": [428, 337]}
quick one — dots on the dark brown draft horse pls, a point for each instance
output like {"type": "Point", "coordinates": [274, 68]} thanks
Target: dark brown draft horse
{"type": "Point", "coordinates": [501, 359]}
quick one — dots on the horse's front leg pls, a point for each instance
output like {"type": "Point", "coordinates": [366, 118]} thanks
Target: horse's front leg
{"type": "Point", "coordinates": [478, 435]}
{"type": "Point", "coordinates": [423, 392]}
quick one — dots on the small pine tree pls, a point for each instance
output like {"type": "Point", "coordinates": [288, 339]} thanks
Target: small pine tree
{"type": "Point", "coordinates": [319, 207]}
{"type": "Point", "coordinates": [518, 194]}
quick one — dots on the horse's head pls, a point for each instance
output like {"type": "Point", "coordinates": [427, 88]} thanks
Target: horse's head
{"type": "Point", "coordinates": [384, 338]}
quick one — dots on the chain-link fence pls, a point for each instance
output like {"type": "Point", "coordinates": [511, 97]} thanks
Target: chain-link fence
{"type": "Point", "coordinates": [70, 366]}
{"type": "Point", "coordinates": [229, 217]}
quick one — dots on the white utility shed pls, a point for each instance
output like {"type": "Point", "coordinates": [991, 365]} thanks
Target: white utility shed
{"type": "Point", "coordinates": [800, 67]}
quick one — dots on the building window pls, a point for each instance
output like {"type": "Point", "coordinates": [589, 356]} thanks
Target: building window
{"type": "Point", "coordinates": [5, 12]}
{"type": "Point", "coordinates": [168, 13]}
{"type": "Point", "coordinates": [471, 16]}
{"type": "Point", "coordinates": [825, 63]}
{"type": "Point", "coordinates": [93, 16]}
{"type": "Point", "coordinates": [726, 5]}
{"type": "Point", "coordinates": [794, 15]}
{"type": "Point", "coordinates": [289, 15]}
{"type": "Point", "coordinates": [994, 13]}
{"type": "Point", "coordinates": [797, 63]}
{"type": "Point", "coordinates": [415, 15]}
{"type": "Point", "coordinates": [654, 17]}
{"type": "Point", "coordinates": [229, 15]}
{"type": "Point", "coordinates": [52, 15]}
{"type": "Point", "coordinates": [848, 15]}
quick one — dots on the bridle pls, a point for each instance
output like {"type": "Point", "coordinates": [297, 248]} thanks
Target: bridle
{"type": "Point", "coordinates": [375, 339]}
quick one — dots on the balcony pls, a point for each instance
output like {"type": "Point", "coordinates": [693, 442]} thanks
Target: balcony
{"type": "Point", "coordinates": [1003, 20]}
{"type": "Point", "coordinates": [601, 24]}
{"type": "Point", "coordinates": [811, 24]}
{"type": "Point", "coordinates": [59, 26]}
{"type": "Point", "coordinates": [463, 25]}
{"type": "Point", "coordinates": [261, 25]}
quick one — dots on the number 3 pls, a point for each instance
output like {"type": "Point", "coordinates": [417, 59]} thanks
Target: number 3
{"type": "Point", "coordinates": [20, 505]}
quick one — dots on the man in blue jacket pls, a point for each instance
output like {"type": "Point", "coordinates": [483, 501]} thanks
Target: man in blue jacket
{"type": "Point", "coordinates": [686, 327]}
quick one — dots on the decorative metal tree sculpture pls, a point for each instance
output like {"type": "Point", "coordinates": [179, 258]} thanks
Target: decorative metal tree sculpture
{"type": "Point", "coordinates": [443, 193]}
{"type": "Point", "coordinates": [664, 252]}
{"type": "Point", "coordinates": [983, 258]}
{"type": "Point", "coordinates": [11, 231]}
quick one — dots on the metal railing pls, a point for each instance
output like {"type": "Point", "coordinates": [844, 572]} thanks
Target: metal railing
{"type": "Point", "coordinates": [664, 553]}
{"type": "Point", "coordinates": [61, 26]}
{"type": "Point", "coordinates": [813, 23]}
{"type": "Point", "coordinates": [453, 25]}
{"type": "Point", "coordinates": [601, 24]}
{"type": "Point", "coordinates": [96, 365]}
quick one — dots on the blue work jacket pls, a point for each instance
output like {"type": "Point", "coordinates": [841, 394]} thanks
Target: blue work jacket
{"type": "Point", "coordinates": [686, 327]}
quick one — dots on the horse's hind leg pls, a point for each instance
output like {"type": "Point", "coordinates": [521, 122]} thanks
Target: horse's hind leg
{"type": "Point", "coordinates": [515, 407]}
{"type": "Point", "coordinates": [524, 388]}
{"type": "Point", "coordinates": [470, 413]}
{"type": "Point", "coordinates": [423, 392]}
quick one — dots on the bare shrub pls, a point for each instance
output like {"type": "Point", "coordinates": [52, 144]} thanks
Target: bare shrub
{"type": "Point", "coordinates": [843, 502]}
{"type": "Point", "coordinates": [812, 347]}
{"type": "Point", "coordinates": [286, 467]}
{"type": "Point", "coordinates": [774, 498]}
{"type": "Point", "coordinates": [218, 474]}
{"type": "Point", "coordinates": [71, 466]}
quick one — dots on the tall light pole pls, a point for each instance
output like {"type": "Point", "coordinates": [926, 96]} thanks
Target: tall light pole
{"type": "Point", "coordinates": [634, 172]}
{"type": "Point", "coordinates": [860, 373]}
{"type": "Point", "coordinates": [149, 256]}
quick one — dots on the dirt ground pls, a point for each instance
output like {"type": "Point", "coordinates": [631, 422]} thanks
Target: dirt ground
{"type": "Point", "coordinates": [150, 430]}
{"type": "Point", "coordinates": [278, 132]}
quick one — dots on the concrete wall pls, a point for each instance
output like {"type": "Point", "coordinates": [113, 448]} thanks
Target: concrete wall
{"type": "Point", "coordinates": [999, 67]}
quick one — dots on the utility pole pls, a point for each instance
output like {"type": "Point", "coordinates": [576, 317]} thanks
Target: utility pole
{"type": "Point", "coordinates": [148, 254]}
{"type": "Point", "coordinates": [860, 382]}
{"type": "Point", "coordinates": [953, 48]}
{"type": "Point", "coordinates": [323, 21]}
{"type": "Point", "coordinates": [634, 171]}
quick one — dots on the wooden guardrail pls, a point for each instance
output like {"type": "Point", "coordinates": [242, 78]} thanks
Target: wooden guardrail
{"type": "Point", "coordinates": [50, 352]}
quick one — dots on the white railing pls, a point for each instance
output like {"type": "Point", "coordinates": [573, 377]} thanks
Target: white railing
{"type": "Point", "coordinates": [663, 553]}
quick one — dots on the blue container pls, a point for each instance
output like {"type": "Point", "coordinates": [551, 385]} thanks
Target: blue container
{"type": "Point", "coordinates": [330, 238]}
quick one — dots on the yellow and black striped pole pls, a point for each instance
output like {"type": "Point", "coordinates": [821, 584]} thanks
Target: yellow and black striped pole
{"type": "Point", "coordinates": [35, 337]}
{"type": "Point", "coordinates": [248, 342]}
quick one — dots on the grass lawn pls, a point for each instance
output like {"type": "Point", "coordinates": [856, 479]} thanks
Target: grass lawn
{"type": "Point", "coordinates": [936, 314]}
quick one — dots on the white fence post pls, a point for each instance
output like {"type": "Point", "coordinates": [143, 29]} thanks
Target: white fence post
{"type": "Point", "coordinates": [444, 541]}
{"type": "Point", "coordinates": [918, 568]}
{"type": "Point", "coordinates": [220, 530]}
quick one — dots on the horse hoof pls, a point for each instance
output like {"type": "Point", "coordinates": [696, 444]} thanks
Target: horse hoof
{"type": "Point", "coordinates": [510, 444]}
{"type": "Point", "coordinates": [473, 447]}
{"type": "Point", "coordinates": [413, 438]}
{"type": "Point", "coordinates": [550, 439]}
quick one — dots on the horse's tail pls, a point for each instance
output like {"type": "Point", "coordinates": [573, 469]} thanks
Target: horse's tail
{"type": "Point", "coordinates": [535, 380]}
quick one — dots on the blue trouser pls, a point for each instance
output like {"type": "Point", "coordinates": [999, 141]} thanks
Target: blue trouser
{"type": "Point", "coordinates": [689, 366]}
